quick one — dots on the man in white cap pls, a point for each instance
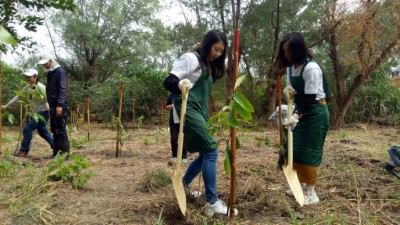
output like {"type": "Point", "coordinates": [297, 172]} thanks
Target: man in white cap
{"type": "Point", "coordinates": [57, 97]}
{"type": "Point", "coordinates": [37, 97]}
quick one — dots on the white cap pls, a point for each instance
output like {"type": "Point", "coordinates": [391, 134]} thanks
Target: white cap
{"type": "Point", "coordinates": [30, 72]}
{"type": "Point", "coordinates": [43, 61]}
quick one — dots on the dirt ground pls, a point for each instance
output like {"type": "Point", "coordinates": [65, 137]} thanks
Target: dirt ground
{"type": "Point", "coordinates": [353, 186]}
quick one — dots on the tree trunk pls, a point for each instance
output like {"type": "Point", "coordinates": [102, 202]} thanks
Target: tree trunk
{"type": "Point", "coordinates": [272, 88]}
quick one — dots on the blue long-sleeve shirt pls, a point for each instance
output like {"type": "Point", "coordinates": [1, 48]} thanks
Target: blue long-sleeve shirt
{"type": "Point", "coordinates": [57, 88]}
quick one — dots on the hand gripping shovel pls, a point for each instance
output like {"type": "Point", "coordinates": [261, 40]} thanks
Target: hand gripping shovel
{"type": "Point", "coordinates": [177, 177]}
{"type": "Point", "coordinates": [290, 174]}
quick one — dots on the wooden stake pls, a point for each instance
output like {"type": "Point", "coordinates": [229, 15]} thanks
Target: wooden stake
{"type": "Point", "coordinates": [1, 114]}
{"type": "Point", "coordinates": [133, 114]}
{"type": "Point", "coordinates": [121, 89]}
{"type": "Point", "coordinates": [20, 117]}
{"type": "Point", "coordinates": [162, 113]}
{"type": "Point", "coordinates": [77, 115]}
{"type": "Point", "coordinates": [88, 116]}
{"type": "Point", "coordinates": [233, 133]}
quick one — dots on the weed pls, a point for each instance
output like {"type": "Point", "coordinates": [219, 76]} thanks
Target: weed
{"type": "Point", "coordinates": [161, 134]}
{"type": "Point", "coordinates": [139, 121]}
{"type": "Point", "coordinates": [71, 172]}
{"type": "Point", "coordinates": [154, 179]}
{"type": "Point", "coordinates": [79, 141]}
{"type": "Point", "coordinates": [160, 220]}
{"type": "Point", "coordinates": [148, 141]}
{"type": "Point", "coordinates": [7, 169]}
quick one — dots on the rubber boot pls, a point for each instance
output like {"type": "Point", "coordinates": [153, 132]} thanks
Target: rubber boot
{"type": "Point", "coordinates": [64, 148]}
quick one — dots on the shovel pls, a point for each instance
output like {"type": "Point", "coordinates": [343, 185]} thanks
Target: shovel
{"type": "Point", "coordinates": [177, 177]}
{"type": "Point", "coordinates": [290, 174]}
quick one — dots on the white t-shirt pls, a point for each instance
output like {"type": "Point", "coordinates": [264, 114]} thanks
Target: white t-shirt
{"type": "Point", "coordinates": [188, 67]}
{"type": "Point", "coordinates": [313, 81]}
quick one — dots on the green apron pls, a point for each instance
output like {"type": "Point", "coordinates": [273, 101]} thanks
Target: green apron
{"type": "Point", "coordinates": [197, 138]}
{"type": "Point", "coordinates": [310, 132]}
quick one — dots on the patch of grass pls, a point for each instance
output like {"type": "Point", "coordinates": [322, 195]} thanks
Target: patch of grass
{"type": "Point", "coordinates": [6, 138]}
{"type": "Point", "coordinates": [79, 141]}
{"type": "Point", "coordinates": [154, 179]}
{"type": "Point", "coordinates": [341, 135]}
{"type": "Point", "coordinates": [161, 134]}
{"type": "Point", "coordinates": [148, 141]}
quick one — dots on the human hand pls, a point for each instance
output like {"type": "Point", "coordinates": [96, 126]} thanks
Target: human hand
{"type": "Point", "coordinates": [292, 121]}
{"type": "Point", "coordinates": [169, 107]}
{"type": "Point", "coordinates": [59, 111]}
{"type": "Point", "coordinates": [185, 82]}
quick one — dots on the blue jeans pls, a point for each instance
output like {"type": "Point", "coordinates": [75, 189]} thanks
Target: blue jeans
{"type": "Point", "coordinates": [206, 163]}
{"type": "Point", "coordinates": [41, 128]}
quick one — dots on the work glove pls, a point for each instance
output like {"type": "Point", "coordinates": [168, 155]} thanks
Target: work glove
{"type": "Point", "coordinates": [185, 82]}
{"type": "Point", "coordinates": [290, 89]}
{"type": "Point", "coordinates": [292, 121]}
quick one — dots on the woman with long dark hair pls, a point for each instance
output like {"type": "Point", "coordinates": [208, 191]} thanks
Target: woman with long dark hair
{"type": "Point", "coordinates": [311, 118]}
{"type": "Point", "coordinates": [200, 68]}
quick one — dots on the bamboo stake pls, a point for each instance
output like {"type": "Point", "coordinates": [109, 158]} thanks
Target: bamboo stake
{"type": "Point", "coordinates": [233, 133]}
{"type": "Point", "coordinates": [121, 89]}
{"type": "Point", "coordinates": [88, 116]}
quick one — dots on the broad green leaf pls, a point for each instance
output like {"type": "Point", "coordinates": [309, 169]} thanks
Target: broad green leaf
{"type": "Point", "coordinates": [11, 118]}
{"type": "Point", "coordinates": [6, 38]}
{"type": "Point", "coordinates": [233, 122]}
{"type": "Point", "coordinates": [243, 101]}
{"type": "Point", "coordinates": [241, 111]}
{"type": "Point", "coordinates": [239, 81]}
{"type": "Point", "coordinates": [227, 161]}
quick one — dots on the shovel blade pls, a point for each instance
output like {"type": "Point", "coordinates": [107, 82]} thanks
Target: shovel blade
{"type": "Point", "coordinates": [179, 191]}
{"type": "Point", "coordinates": [294, 183]}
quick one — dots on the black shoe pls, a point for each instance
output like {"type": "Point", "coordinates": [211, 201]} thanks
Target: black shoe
{"type": "Point", "coordinates": [389, 166]}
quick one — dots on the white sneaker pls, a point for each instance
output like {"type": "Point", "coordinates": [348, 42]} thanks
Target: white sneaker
{"type": "Point", "coordinates": [310, 197]}
{"type": "Point", "coordinates": [290, 193]}
{"type": "Point", "coordinates": [184, 161]}
{"type": "Point", "coordinates": [219, 207]}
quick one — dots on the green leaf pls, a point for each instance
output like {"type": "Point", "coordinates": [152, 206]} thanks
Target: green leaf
{"type": "Point", "coordinates": [11, 118]}
{"type": "Point", "coordinates": [237, 143]}
{"type": "Point", "coordinates": [36, 118]}
{"type": "Point", "coordinates": [243, 101]}
{"type": "Point", "coordinates": [227, 161]}
{"type": "Point", "coordinates": [233, 122]}
{"type": "Point", "coordinates": [241, 111]}
{"type": "Point", "coordinates": [239, 81]}
{"type": "Point", "coordinates": [6, 38]}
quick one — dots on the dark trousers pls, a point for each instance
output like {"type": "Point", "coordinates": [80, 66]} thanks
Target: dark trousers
{"type": "Point", "coordinates": [58, 125]}
{"type": "Point", "coordinates": [41, 127]}
{"type": "Point", "coordinates": [174, 131]}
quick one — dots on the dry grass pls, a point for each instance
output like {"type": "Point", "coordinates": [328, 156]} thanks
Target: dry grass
{"type": "Point", "coordinates": [353, 187]}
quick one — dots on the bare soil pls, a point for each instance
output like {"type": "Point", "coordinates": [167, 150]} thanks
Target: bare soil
{"type": "Point", "coordinates": [353, 187]}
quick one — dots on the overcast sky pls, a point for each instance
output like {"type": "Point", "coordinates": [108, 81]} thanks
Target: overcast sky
{"type": "Point", "coordinates": [44, 44]}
